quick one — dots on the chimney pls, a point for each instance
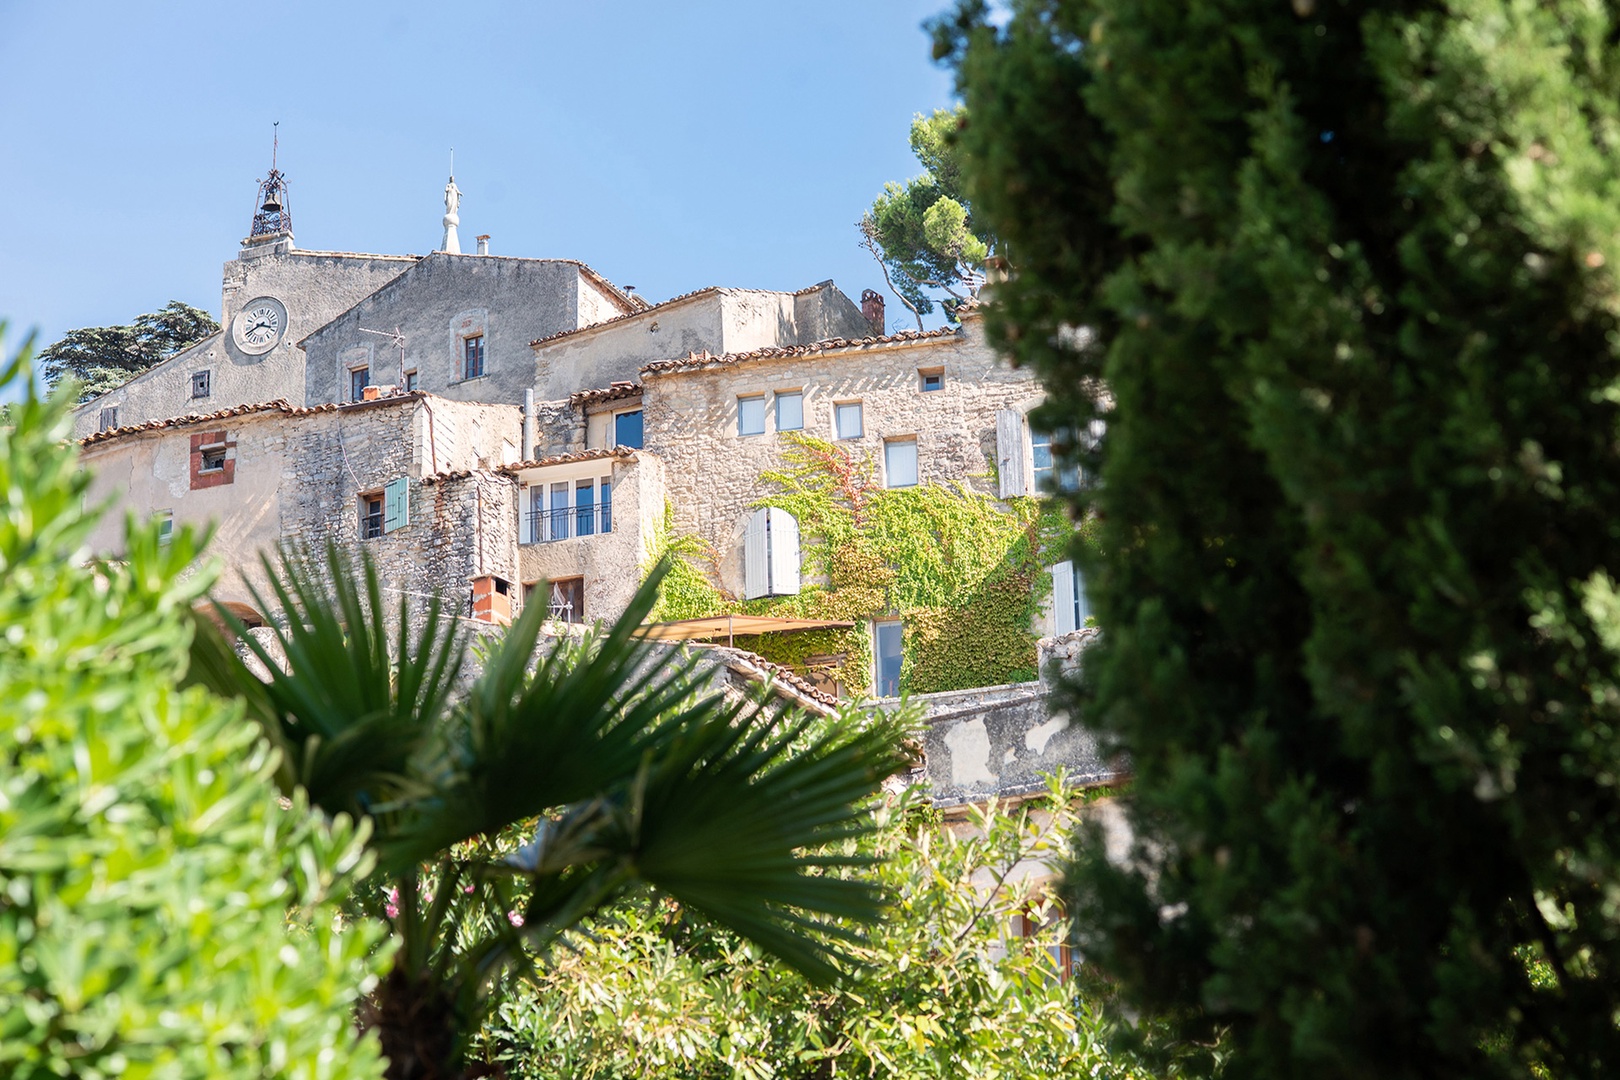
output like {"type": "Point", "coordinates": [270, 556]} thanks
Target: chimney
{"type": "Point", "coordinates": [483, 244]}
{"type": "Point", "coordinates": [528, 424]}
{"type": "Point", "coordinates": [492, 600]}
{"type": "Point", "coordinates": [872, 308]}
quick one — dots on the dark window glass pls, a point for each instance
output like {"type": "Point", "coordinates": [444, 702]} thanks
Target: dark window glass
{"type": "Point", "coordinates": [371, 516]}
{"type": "Point", "coordinates": [627, 429]}
{"type": "Point", "coordinates": [359, 379]}
{"type": "Point", "coordinates": [932, 380]}
{"type": "Point", "coordinates": [472, 356]}
{"type": "Point", "coordinates": [410, 381]}
{"type": "Point", "coordinates": [585, 508]}
{"type": "Point", "coordinates": [607, 505]}
{"type": "Point", "coordinates": [888, 659]}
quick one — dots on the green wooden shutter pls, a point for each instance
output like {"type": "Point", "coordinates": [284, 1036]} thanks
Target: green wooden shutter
{"type": "Point", "coordinates": [397, 505]}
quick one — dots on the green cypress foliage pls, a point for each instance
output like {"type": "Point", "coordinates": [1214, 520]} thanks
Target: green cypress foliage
{"type": "Point", "coordinates": [1349, 275]}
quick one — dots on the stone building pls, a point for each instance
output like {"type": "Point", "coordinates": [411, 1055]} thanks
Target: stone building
{"type": "Point", "coordinates": [856, 509]}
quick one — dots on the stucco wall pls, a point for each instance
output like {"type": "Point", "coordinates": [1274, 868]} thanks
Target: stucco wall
{"type": "Point", "coordinates": [615, 351]}
{"type": "Point", "coordinates": [714, 473]}
{"type": "Point", "coordinates": [610, 563]}
{"type": "Point", "coordinates": [314, 286]}
{"type": "Point", "coordinates": [442, 299]}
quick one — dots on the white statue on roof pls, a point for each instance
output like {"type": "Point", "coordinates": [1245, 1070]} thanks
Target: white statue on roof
{"type": "Point", "coordinates": [452, 203]}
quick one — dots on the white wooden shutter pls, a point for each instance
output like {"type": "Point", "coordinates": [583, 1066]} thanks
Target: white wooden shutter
{"type": "Point", "coordinates": [525, 518]}
{"type": "Point", "coordinates": [784, 552]}
{"type": "Point", "coordinates": [397, 504]}
{"type": "Point", "coordinates": [756, 557]}
{"type": "Point", "coordinates": [1010, 453]}
{"type": "Point", "coordinates": [1063, 596]}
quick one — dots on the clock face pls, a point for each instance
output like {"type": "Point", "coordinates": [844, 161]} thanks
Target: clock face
{"type": "Point", "coordinates": [260, 325]}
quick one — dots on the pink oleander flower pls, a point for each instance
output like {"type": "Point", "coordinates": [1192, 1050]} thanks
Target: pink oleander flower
{"type": "Point", "coordinates": [514, 918]}
{"type": "Point", "coordinates": [392, 906]}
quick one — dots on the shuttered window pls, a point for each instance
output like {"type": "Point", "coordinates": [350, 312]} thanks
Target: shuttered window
{"type": "Point", "coordinates": [1010, 453]}
{"type": "Point", "coordinates": [771, 554]}
{"type": "Point", "coordinates": [1069, 608]}
{"type": "Point", "coordinates": [396, 505]}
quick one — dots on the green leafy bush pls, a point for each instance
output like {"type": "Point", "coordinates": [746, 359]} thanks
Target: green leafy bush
{"type": "Point", "coordinates": [160, 913]}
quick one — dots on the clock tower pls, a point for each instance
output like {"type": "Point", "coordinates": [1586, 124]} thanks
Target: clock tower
{"type": "Point", "coordinates": [272, 217]}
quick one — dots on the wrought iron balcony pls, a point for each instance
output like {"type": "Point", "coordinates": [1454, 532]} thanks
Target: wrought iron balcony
{"type": "Point", "coordinates": [568, 522]}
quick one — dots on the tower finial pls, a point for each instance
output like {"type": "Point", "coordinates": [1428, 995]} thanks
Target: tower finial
{"type": "Point", "coordinates": [271, 214]}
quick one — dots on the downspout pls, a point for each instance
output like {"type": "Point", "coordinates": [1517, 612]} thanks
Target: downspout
{"type": "Point", "coordinates": [528, 425]}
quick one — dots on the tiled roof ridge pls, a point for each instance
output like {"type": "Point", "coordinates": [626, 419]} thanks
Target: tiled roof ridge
{"type": "Point", "coordinates": [619, 388]}
{"type": "Point", "coordinates": [627, 315]}
{"type": "Point", "coordinates": [692, 361]}
{"type": "Point", "coordinates": [777, 672]}
{"type": "Point", "coordinates": [355, 254]}
{"type": "Point", "coordinates": [444, 476]}
{"type": "Point", "coordinates": [620, 452]}
{"type": "Point", "coordinates": [281, 405]}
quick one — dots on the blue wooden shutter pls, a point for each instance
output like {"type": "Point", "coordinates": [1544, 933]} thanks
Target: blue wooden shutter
{"type": "Point", "coordinates": [396, 504]}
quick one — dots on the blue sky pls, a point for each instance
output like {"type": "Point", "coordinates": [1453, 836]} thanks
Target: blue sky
{"type": "Point", "coordinates": [669, 145]}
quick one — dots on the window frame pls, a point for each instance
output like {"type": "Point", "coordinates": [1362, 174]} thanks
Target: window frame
{"type": "Point", "coordinates": [777, 403]}
{"type": "Point", "coordinates": [202, 384]}
{"type": "Point", "coordinates": [878, 626]}
{"type": "Point", "coordinates": [165, 524]}
{"type": "Point", "coordinates": [372, 505]}
{"type": "Point", "coordinates": [860, 420]}
{"type": "Point", "coordinates": [107, 419]}
{"type": "Point", "coordinates": [543, 510]}
{"type": "Point", "coordinates": [357, 390]}
{"type": "Point", "coordinates": [218, 453]}
{"type": "Point", "coordinates": [750, 400]}
{"type": "Point", "coordinates": [888, 468]}
{"type": "Point", "coordinates": [474, 354]}
{"type": "Point", "coordinates": [641, 440]}
{"type": "Point", "coordinates": [925, 374]}
{"type": "Point", "coordinates": [413, 381]}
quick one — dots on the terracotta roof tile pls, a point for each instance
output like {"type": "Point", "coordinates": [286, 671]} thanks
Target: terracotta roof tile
{"type": "Point", "coordinates": [280, 405]}
{"type": "Point", "coordinates": [619, 389]}
{"type": "Point", "coordinates": [619, 452]}
{"type": "Point", "coordinates": [694, 361]}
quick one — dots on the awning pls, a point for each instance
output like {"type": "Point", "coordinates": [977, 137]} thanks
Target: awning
{"type": "Point", "coordinates": [729, 626]}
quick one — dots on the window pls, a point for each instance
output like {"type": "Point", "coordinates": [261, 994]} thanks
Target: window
{"type": "Point", "coordinates": [201, 384]}
{"type": "Point", "coordinates": [1070, 611]}
{"type": "Point", "coordinates": [411, 383]}
{"type": "Point", "coordinates": [108, 419]}
{"type": "Point", "coordinates": [566, 600]}
{"type": "Point", "coordinates": [371, 515]}
{"type": "Point", "coordinates": [359, 379]}
{"type": "Point", "coordinates": [886, 654]}
{"type": "Point", "coordinates": [900, 463]}
{"type": "Point", "coordinates": [770, 554]}
{"type": "Point", "coordinates": [751, 415]}
{"type": "Point", "coordinates": [627, 429]}
{"type": "Point", "coordinates": [472, 356]}
{"type": "Point", "coordinates": [930, 379]}
{"type": "Point", "coordinates": [790, 410]}
{"type": "Point", "coordinates": [567, 509]}
{"type": "Point", "coordinates": [213, 459]}
{"type": "Point", "coordinates": [1045, 466]}
{"type": "Point", "coordinates": [847, 420]}
{"type": "Point", "coordinates": [213, 464]}
{"type": "Point", "coordinates": [165, 524]}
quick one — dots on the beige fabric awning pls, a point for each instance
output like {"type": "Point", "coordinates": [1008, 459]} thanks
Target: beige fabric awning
{"type": "Point", "coordinates": [729, 626]}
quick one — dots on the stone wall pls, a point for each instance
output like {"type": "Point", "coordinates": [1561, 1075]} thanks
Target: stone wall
{"type": "Point", "coordinates": [314, 286]}
{"type": "Point", "coordinates": [1004, 740]}
{"type": "Point", "coordinates": [439, 302]}
{"type": "Point", "coordinates": [714, 473]}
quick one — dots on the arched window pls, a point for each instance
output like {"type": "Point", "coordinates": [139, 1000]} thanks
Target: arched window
{"type": "Point", "coordinates": [771, 554]}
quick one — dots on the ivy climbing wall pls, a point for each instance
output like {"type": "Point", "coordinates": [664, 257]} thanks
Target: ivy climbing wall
{"type": "Point", "coordinates": [967, 575]}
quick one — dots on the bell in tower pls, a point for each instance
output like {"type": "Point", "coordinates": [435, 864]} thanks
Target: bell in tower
{"type": "Point", "coordinates": [272, 217]}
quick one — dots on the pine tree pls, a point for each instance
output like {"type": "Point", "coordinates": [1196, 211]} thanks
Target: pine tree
{"type": "Point", "coordinates": [1345, 274]}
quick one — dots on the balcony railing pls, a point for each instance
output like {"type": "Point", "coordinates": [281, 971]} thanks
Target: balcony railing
{"type": "Point", "coordinates": [568, 522]}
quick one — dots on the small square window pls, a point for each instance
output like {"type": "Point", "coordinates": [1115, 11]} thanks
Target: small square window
{"type": "Point", "coordinates": [472, 356]}
{"type": "Point", "coordinates": [108, 419]}
{"type": "Point", "coordinates": [627, 429]}
{"type": "Point", "coordinates": [847, 420]}
{"type": "Point", "coordinates": [359, 379]}
{"type": "Point", "coordinates": [165, 524]}
{"type": "Point", "coordinates": [213, 459]}
{"type": "Point", "coordinates": [900, 463]}
{"type": "Point", "coordinates": [930, 379]}
{"type": "Point", "coordinates": [410, 382]}
{"type": "Point", "coordinates": [751, 415]}
{"type": "Point", "coordinates": [201, 384]}
{"type": "Point", "coordinates": [789, 410]}
{"type": "Point", "coordinates": [371, 515]}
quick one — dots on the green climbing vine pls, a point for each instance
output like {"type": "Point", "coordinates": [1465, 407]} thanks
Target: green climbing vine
{"type": "Point", "coordinates": [964, 573]}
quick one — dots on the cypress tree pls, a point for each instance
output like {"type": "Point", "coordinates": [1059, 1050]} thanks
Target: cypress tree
{"type": "Point", "coordinates": [1340, 279]}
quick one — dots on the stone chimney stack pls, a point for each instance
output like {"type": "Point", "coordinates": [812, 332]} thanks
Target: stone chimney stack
{"type": "Point", "coordinates": [483, 243]}
{"type": "Point", "coordinates": [872, 308]}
